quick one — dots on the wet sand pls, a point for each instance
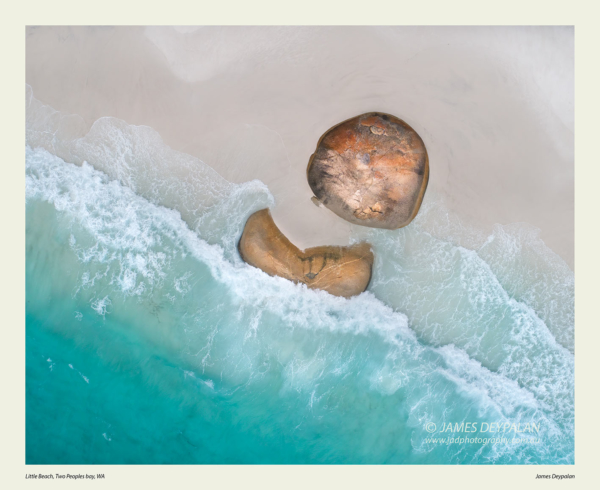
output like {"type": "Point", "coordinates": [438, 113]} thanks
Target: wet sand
{"type": "Point", "coordinates": [494, 107]}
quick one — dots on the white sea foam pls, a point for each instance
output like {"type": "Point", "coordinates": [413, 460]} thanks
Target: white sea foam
{"type": "Point", "coordinates": [514, 384]}
{"type": "Point", "coordinates": [136, 157]}
{"type": "Point", "coordinates": [216, 209]}
{"type": "Point", "coordinates": [100, 305]}
{"type": "Point", "coordinates": [485, 317]}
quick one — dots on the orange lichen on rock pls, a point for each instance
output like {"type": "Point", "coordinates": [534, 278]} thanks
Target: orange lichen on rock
{"type": "Point", "coordinates": [371, 170]}
{"type": "Point", "coordinates": [341, 271]}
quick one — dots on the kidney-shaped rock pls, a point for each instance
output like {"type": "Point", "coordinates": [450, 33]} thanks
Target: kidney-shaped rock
{"type": "Point", "coordinates": [341, 271]}
{"type": "Point", "coordinates": [371, 170]}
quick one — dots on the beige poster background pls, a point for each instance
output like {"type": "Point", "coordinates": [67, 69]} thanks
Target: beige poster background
{"type": "Point", "coordinates": [581, 14]}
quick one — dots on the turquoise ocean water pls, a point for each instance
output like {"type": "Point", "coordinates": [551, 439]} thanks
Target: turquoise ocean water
{"type": "Point", "coordinates": [148, 340]}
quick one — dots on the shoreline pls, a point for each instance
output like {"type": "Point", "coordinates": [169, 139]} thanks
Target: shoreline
{"type": "Point", "coordinates": [498, 154]}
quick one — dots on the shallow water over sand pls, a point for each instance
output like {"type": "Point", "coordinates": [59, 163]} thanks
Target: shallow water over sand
{"type": "Point", "coordinates": [150, 341]}
{"type": "Point", "coordinates": [148, 344]}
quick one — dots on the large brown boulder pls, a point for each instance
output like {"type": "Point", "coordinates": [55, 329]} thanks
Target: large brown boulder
{"type": "Point", "coordinates": [341, 271]}
{"type": "Point", "coordinates": [371, 170]}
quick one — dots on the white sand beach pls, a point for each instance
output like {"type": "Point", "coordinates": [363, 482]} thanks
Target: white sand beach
{"type": "Point", "coordinates": [494, 107]}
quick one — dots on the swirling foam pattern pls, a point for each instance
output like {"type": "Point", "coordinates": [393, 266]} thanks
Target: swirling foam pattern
{"type": "Point", "coordinates": [150, 341]}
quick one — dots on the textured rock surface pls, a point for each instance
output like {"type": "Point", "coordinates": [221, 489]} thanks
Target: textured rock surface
{"type": "Point", "coordinates": [342, 271]}
{"type": "Point", "coordinates": [371, 170]}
